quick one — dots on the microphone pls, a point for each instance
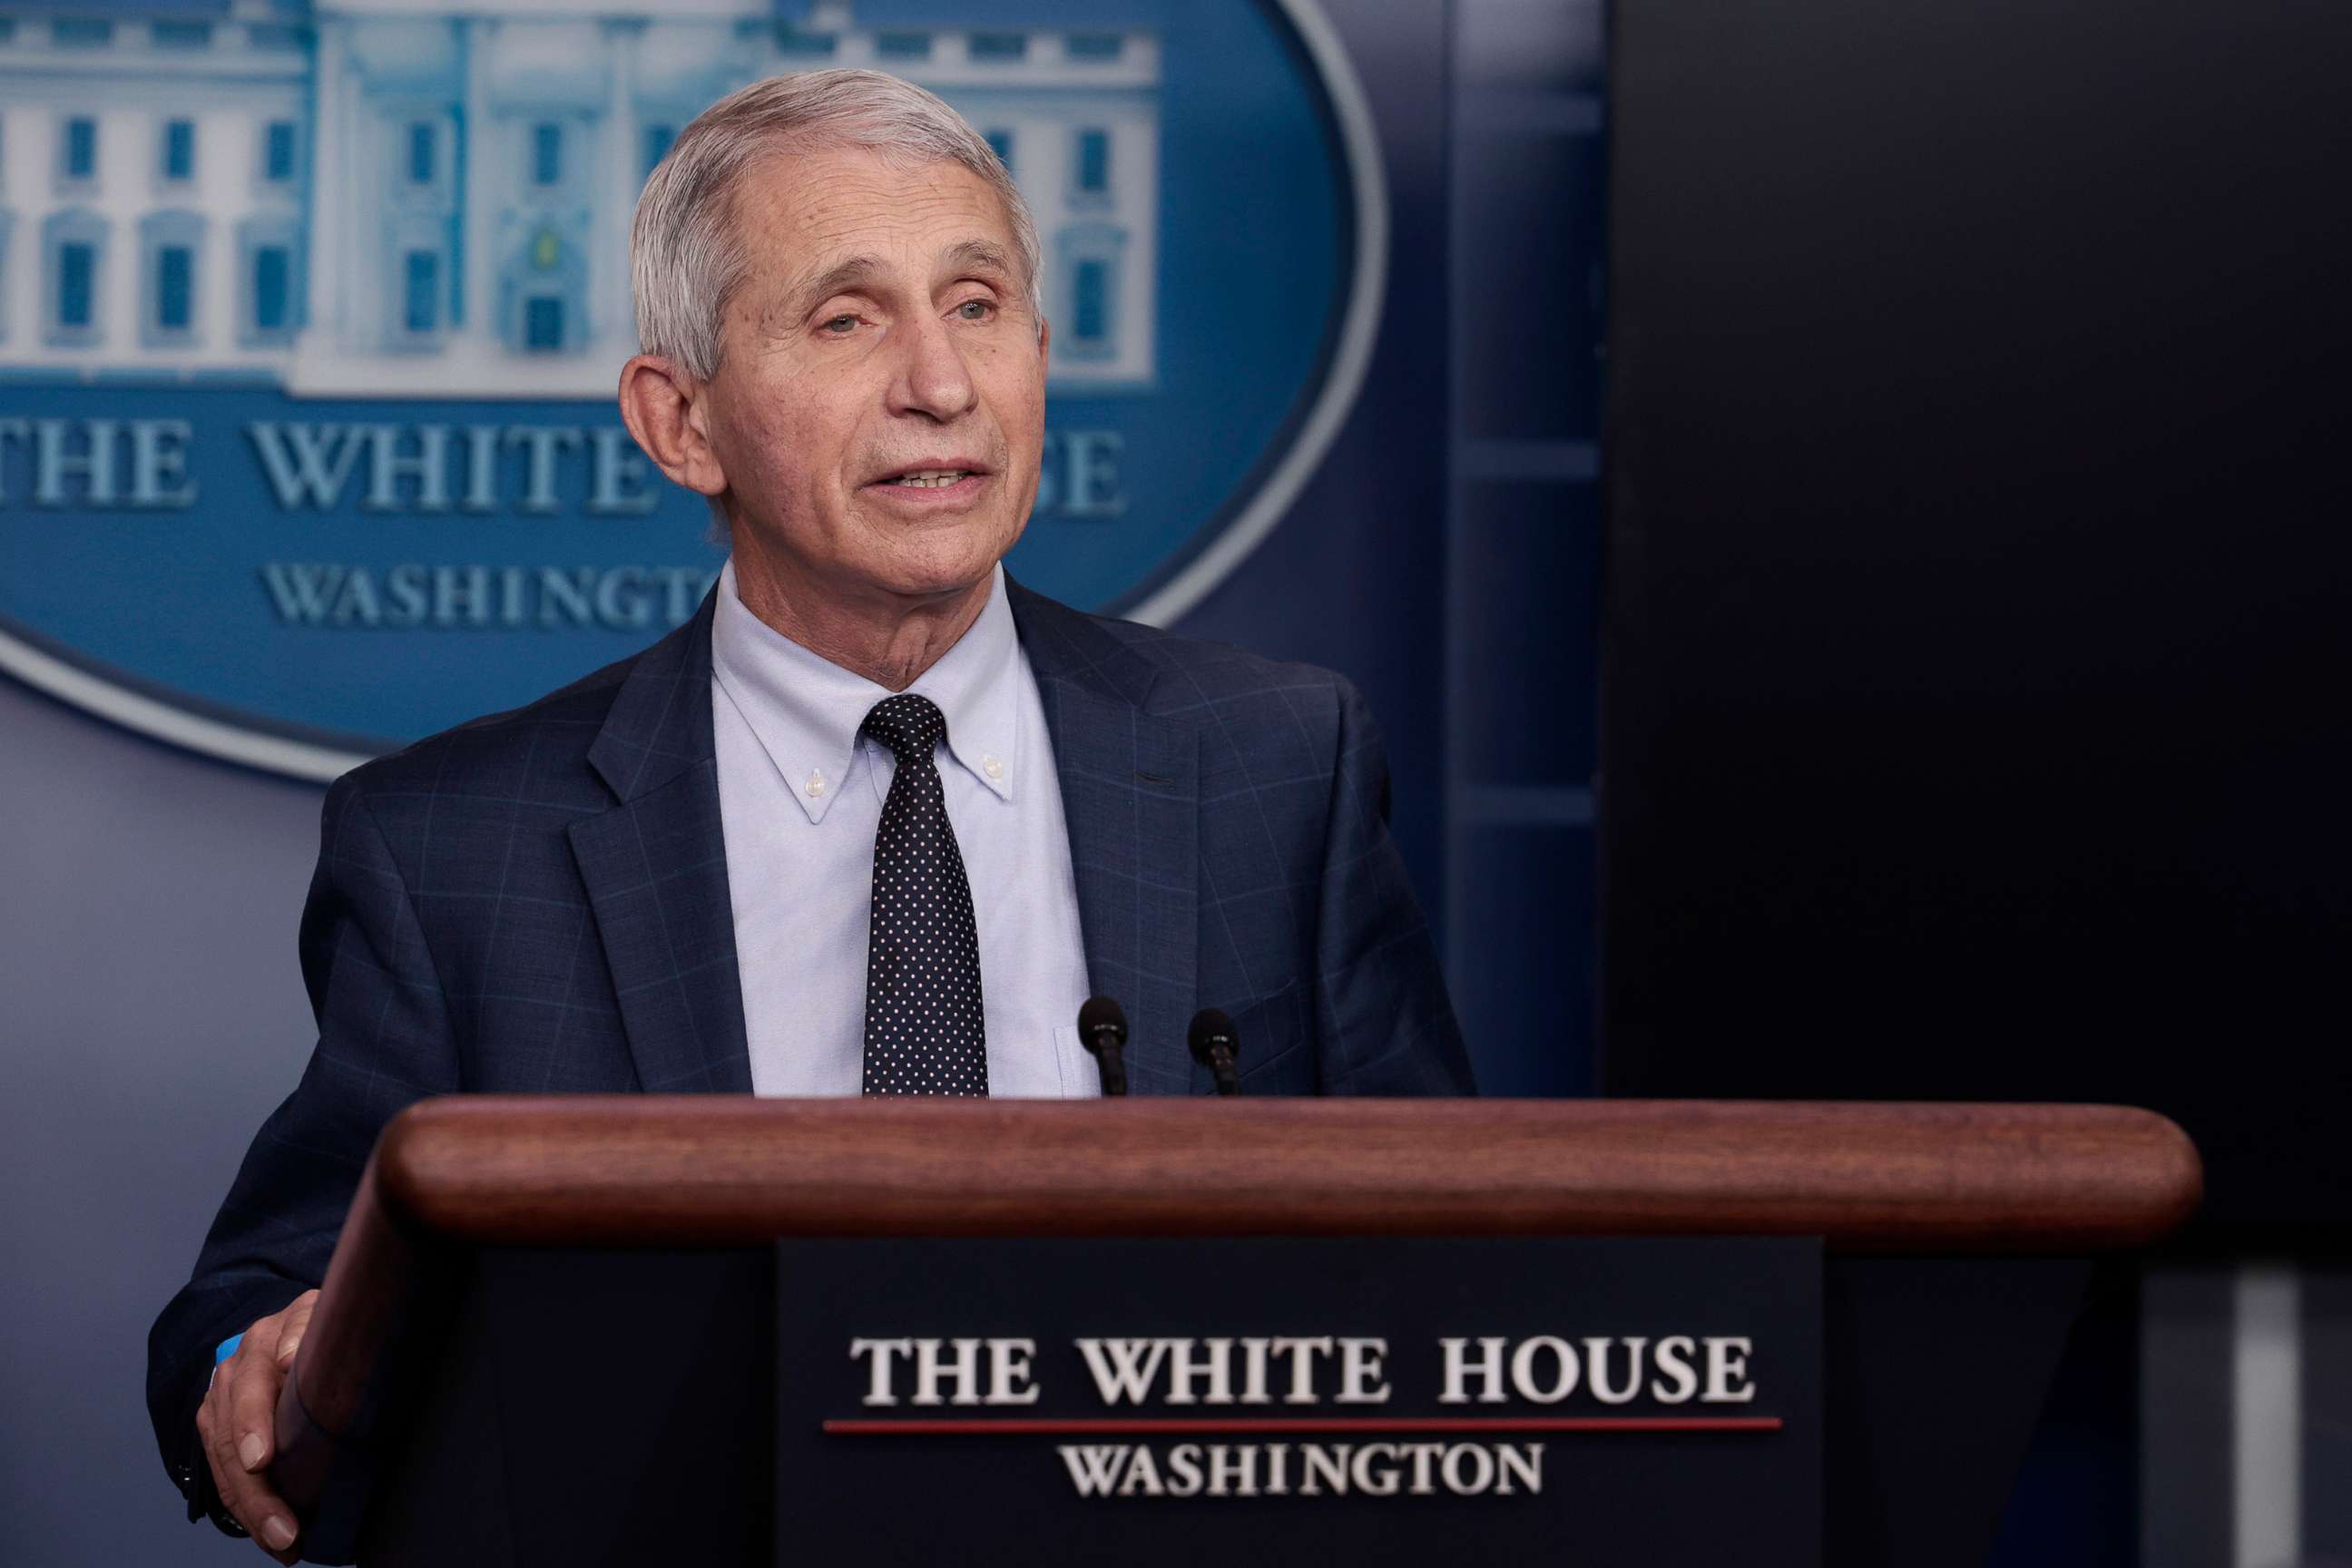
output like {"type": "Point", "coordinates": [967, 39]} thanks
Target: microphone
{"type": "Point", "coordinates": [1213, 1043]}
{"type": "Point", "coordinates": [1103, 1027]}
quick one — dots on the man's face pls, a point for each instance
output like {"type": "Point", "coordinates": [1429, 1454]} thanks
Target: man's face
{"type": "Point", "coordinates": [879, 408]}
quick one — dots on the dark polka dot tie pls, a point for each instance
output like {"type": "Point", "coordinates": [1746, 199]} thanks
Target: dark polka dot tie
{"type": "Point", "coordinates": [924, 1032]}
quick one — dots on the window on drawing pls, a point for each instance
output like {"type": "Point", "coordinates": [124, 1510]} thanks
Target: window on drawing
{"type": "Point", "coordinates": [272, 274]}
{"type": "Point", "coordinates": [1094, 161]}
{"type": "Point", "coordinates": [420, 294]}
{"type": "Point", "coordinates": [179, 149]}
{"type": "Point", "coordinates": [420, 152]}
{"type": "Point", "coordinates": [175, 267]}
{"type": "Point", "coordinates": [77, 283]}
{"type": "Point", "coordinates": [81, 148]}
{"type": "Point", "coordinates": [278, 150]}
{"type": "Point", "coordinates": [792, 40]}
{"type": "Point", "coordinates": [1091, 303]}
{"type": "Point", "coordinates": [542, 325]}
{"type": "Point", "coordinates": [547, 154]}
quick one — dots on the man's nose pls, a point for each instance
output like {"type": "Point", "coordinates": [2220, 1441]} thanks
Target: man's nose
{"type": "Point", "coordinates": [932, 378]}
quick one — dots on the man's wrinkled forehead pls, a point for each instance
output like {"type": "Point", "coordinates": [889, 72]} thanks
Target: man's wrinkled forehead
{"type": "Point", "coordinates": [814, 216]}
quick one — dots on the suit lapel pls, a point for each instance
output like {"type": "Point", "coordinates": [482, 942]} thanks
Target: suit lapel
{"type": "Point", "coordinates": [655, 870]}
{"type": "Point", "coordinates": [1131, 796]}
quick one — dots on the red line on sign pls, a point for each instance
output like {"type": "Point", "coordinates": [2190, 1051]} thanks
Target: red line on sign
{"type": "Point", "coordinates": [1033, 1426]}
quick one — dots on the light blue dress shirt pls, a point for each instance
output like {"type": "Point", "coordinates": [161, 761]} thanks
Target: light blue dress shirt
{"type": "Point", "coordinates": [800, 798]}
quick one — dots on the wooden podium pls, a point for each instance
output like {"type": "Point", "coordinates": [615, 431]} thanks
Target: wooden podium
{"type": "Point", "coordinates": [549, 1331]}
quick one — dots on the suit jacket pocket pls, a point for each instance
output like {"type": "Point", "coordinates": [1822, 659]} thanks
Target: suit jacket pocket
{"type": "Point", "coordinates": [1274, 1034]}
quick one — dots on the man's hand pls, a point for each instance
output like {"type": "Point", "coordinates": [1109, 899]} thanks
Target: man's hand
{"type": "Point", "coordinates": [238, 1421]}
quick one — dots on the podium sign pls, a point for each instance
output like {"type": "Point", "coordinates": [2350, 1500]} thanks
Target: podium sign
{"type": "Point", "coordinates": [1175, 1401]}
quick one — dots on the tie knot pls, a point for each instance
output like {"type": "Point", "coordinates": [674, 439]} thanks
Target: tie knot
{"type": "Point", "coordinates": [909, 725]}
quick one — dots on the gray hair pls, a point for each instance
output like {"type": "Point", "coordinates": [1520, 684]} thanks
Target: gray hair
{"type": "Point", "coordinates": [684, 261]}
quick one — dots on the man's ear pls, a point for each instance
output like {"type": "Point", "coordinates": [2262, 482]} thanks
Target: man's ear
{"type": "Point", "coordinates": [1045, 342]}
{"type": "Point", "coordinates": [661, 405]}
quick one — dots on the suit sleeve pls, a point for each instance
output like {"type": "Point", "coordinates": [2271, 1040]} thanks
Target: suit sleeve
{"type": "Point", "coordinates": [384, 1040]}
{"type": "Point", "coordinates": [1381, 1012]}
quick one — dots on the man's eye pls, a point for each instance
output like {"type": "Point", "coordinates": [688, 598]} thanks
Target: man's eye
{"type": "Point", "coordinates": [975, 309]}
{"type": "Point", "coordinates": [841, 326]}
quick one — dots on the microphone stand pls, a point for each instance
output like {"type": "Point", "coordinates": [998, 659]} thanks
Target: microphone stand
{"type": "Point", "coordinates": [1102, 1027]}
{"type": "Point", "coordinates": [1215, 1043]}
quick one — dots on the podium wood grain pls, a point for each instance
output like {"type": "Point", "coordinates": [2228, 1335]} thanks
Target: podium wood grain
{"type": "Point", "coordinates": [629, 1171]}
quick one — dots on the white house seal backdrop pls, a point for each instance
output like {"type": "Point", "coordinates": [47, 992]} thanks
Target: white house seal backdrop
{"type": "Point", "coordinates": [310, 317]}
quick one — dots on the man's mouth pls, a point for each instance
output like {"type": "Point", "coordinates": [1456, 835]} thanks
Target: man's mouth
{"type": "Point", "coordinates": [929, 478]}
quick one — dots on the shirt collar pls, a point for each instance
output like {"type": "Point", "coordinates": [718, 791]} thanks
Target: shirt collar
{"type": "Point", "coordinates": [806, 712]}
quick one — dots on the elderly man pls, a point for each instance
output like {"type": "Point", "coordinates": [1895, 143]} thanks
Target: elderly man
{"type": "Point", "coordinates": [878, 820]}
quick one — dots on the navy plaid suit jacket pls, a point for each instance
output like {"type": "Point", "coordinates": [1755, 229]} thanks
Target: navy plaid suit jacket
{"type": "Point", "coordinates": [536, 903]}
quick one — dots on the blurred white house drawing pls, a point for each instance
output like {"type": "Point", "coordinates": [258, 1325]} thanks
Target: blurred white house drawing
{"type": "Point", "coordinates": [407, 200]}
